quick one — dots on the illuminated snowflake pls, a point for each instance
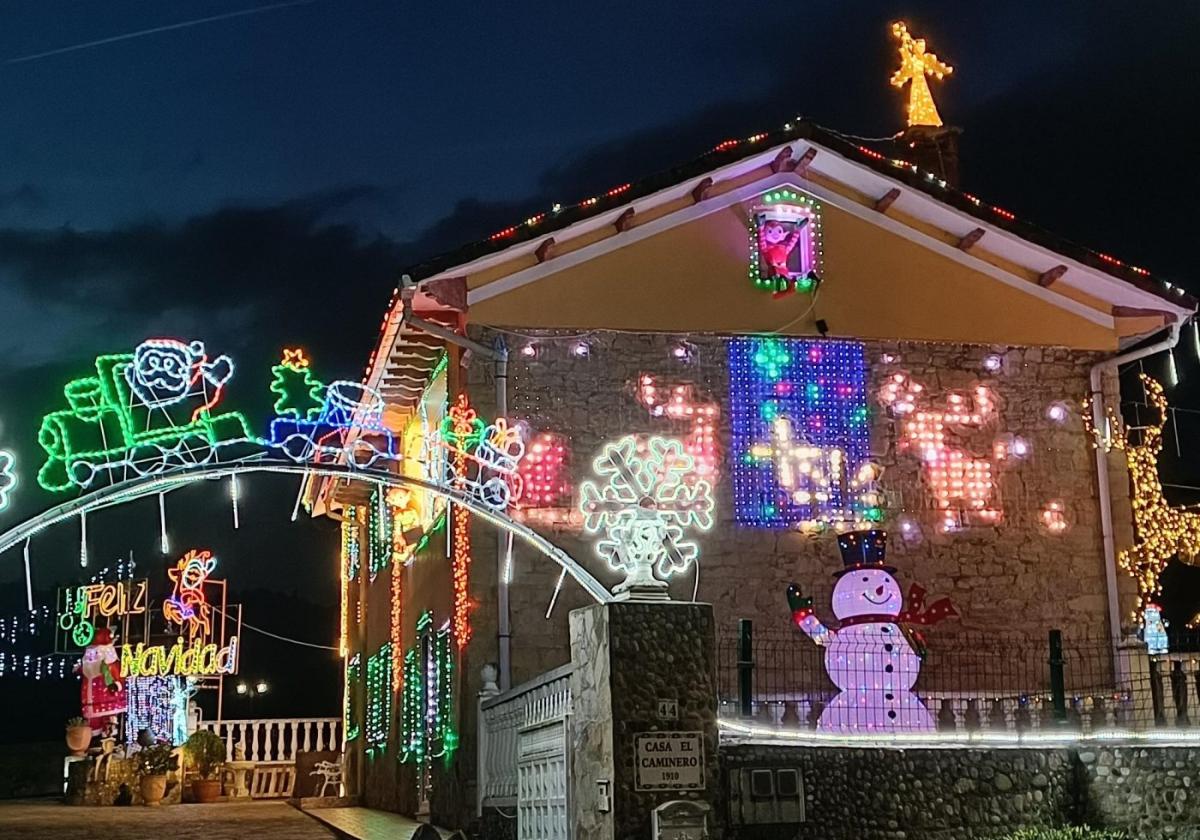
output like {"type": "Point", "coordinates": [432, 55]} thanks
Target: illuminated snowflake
{"type": "Point", "coordinates": [647, 501]}
{"type": "Point", "coordinates": [8, 477]}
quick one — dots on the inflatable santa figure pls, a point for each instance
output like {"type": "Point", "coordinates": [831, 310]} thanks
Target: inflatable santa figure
{"type": "Point", "coordinates": [102, 692]}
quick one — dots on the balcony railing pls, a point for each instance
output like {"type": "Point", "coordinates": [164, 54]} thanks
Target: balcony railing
{"type": "Point", "coordinates": [278, 739]}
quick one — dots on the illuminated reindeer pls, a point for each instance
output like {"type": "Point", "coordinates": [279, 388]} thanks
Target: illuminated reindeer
{"type": "Point", "coordinates": [1163, 531]}
{"type": "Point", "coordinates": [188, 603]}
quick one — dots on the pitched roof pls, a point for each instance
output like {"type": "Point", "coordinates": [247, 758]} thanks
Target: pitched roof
{"type": "Point", "coordinates": [729, 152]}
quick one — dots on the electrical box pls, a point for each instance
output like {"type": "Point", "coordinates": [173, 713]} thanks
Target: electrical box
{"type": "Point", "coordinates": [766, 795]}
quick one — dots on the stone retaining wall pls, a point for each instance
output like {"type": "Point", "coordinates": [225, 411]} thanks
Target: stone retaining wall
{"type": "Point", "coordinates": [959, 794]}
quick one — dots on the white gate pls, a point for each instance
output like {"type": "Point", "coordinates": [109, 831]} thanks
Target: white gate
{"type": "Point", "coordinates": [524, 752]}
{"type": "Point", "coordinates": [543, 771]}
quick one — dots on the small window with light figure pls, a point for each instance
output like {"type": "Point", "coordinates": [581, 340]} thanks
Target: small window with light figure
{"type": "Point", "coordinates": [785, 243]}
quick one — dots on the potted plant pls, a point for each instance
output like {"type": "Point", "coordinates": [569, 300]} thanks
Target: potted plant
{"type": "Point", "coordinates": [153, 762]}
{"type": "Point", "coordinates": [206, 751]}
{"type": "Point", "coordinates": [79, 735]}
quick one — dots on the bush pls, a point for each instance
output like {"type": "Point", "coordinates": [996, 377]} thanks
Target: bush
{"type": "Point", "coordinates": [206, 750]}
{"type": "Point", "coordinates": [155, 760]}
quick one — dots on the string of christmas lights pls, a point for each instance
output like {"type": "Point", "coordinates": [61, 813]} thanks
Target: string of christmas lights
{"type": "Point", "coordinates": [463, 424]}
{"type": "Point", "coordinates": [37, 667]}
{"type": "Point", "coordinates": [379, 698]}
{"type": "Point", "coordinates": [348, 568]}
{"type": "Point", "coordinates": [353, 675]}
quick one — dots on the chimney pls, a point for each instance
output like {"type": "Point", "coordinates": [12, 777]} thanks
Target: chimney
{"type": "Point", "coordinates": [932, 148]}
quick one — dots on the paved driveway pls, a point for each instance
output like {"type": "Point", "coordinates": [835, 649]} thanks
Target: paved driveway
{"type": "Point", "coordinates": [48, 820]}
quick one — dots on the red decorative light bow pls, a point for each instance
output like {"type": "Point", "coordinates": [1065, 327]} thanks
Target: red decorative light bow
{"type": "Point", "coordinates": [916, 613]}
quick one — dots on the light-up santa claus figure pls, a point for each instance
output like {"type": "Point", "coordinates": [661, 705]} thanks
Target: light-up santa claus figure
{"type": "Point", "coordinates": [874, 655]}
{"type": "Point", "coordinates": [102, 691]}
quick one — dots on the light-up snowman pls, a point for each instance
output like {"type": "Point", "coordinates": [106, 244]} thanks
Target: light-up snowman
{"type": "Point", "coordinates": [870, 656]}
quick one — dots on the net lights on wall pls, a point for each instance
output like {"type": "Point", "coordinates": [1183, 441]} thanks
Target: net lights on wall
{"type": "Point", "coordinates": [961, 483]}
{"type": "Point", "coordinates": [680, 403]}
{"type": "Point", "coordinates": [800, 433]}
{"type": "Point", "coordinates": [543, 471]}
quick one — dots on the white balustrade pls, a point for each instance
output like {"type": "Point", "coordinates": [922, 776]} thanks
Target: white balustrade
{"type": "Point", "coordinates": [278, 739]}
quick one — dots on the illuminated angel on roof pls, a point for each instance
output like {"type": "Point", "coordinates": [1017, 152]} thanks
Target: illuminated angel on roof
{"type": "Point", "coordinates": [915, 64]}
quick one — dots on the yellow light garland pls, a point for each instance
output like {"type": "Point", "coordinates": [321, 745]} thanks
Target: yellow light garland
{"type": "Point", "coordinates": [1163, 531]}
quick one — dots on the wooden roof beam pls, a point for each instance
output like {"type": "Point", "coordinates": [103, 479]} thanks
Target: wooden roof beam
{"type": "Point", "coordinates": [545, 251]}
{"type": "Point", "coordinates": [1050, 276]}
{"type": "Point", "coordinates": [968, 241]}
{"type": "Point", "coordinates": [800, 166]}
{"type": "Point", "coordinates": [1119, 311]}
{"type": "Point", "coordinates": [625, 221]}
{"type": "Point", "coordinates": [887, 199]}
{"type": "Point", "coordinates": [783, 160]}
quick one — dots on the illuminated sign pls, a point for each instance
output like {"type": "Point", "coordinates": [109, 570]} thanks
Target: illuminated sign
{"type": "Point", "coordinates": [81, 606]}
{"type": "Point", "coordinates": [194, 612]}
{"type": "Point", "coordinates": [194, 659]}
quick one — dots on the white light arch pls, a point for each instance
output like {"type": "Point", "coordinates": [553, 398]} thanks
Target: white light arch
{"type": "Point", "coordinates": [127, 491]}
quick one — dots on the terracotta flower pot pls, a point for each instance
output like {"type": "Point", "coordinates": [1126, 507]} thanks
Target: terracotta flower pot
{"type": "Point", "coordinates": [79, 738]}
{"type": "Point", "coordinates": [153, 789]}
{"type": "Point", "coordinates": [206, 790]}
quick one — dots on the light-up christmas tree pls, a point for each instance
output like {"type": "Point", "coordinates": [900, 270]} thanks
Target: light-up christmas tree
{"type": "Point", "coordinates": [300, 394]}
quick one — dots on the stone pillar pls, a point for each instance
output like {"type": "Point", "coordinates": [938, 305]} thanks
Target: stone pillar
{"type": "Point", "coordinates": [1133, 667]}
{"type": "Point", "coordinates": [640, 669]}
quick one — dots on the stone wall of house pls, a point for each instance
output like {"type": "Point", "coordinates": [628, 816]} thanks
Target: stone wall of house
{"type": "Point", "coordinates": [1013, 577]}
{"type": "Point", "coordinates": [958, 794]}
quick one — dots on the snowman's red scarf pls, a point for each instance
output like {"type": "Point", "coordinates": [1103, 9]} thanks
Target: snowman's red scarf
{"type": "Point", "coordinates": [916, 613]}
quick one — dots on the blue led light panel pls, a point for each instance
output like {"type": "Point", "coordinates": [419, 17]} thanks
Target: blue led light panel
{"type": "Point", "coordinates": [800, 429]}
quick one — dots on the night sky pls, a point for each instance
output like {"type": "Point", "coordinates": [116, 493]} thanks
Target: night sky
{"type": "Point", "coordinates": [261, 179]}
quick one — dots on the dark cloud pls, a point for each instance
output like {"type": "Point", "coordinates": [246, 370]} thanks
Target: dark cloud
{"type": "Point", "coordinates": [26, 197]}
{"type": "Point", "coordinates": [279, 270]}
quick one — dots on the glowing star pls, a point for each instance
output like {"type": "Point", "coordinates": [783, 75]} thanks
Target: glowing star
{"type": "Point", "coordinates": [874, 655]}
{"type": "Point", "coordinates": [1162, 531]}
{"type": "Point", "coordinates": [143, 413]}
{"type": "Point", "coordinates": [644, 507]}
{"type": "Point", "coordinates": [187, 603]}
{"type": "Point", "coordinates": [915, 64]}
{"type": "Point", "coordinates": [8, 477]}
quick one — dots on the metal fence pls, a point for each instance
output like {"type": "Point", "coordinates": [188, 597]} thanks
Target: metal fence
{"type": "Point", "coordinates": [967, 680]}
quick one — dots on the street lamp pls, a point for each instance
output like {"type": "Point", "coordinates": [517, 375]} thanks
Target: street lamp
{"type": "Point", "coordinates": [251, 692]}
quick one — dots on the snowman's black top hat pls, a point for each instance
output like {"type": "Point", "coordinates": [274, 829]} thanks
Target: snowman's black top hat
{"type": "Point", "coordinates": [863, 550]}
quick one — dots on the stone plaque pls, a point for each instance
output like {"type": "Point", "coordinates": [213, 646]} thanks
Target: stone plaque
{"type": "Point", "coordinates": [668, 708]}
{"type": "Point", "coordinates": [669, 760]}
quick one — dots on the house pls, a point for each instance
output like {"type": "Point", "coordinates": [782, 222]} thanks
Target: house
{"type": "Point", "coordinates": [802, 336]}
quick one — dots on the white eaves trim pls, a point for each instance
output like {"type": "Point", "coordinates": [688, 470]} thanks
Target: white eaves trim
{"type": "Point", "coordinates": [749, 191]}
{"type": "Point", "coordinates": [862, 178]}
